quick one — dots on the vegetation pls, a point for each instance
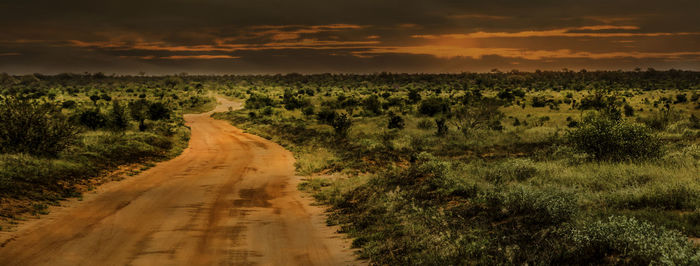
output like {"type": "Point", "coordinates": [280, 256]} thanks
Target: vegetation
{"type": "Point", "coordinates": [550, 167]}
{"type": "Point", "coordinates": [58, 134]}
{"type": "Point", "coordinates": [498, 168]}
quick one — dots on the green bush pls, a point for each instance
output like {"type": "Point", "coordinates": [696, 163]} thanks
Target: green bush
{"type": "Point", "coordinates": [118, 119]}
{"type": "Point", "coordinates": [36, 128]}
{"type": "Point", "coordinates": [92, 119]}
{"type": "Point", "coordinates": [614, 140]}
{"type": "Point", "coordinates": [540, 207]}
{"type": "Point", "coordinates": [158, 111]}
{"type": "Point", "coordinates": [341, 124]}
{"type": "Point", "coordinates": [623, 240]}
{"type": "Point", "coordinates": [257, 101]}
{"type": "Point", "coordinates": [396, 121]}
{"type": "Point", "coordinates": [433, 106]}
{"type": "Point", "coordinates": [372, 105]}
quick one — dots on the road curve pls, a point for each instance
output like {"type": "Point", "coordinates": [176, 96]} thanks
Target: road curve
{"type": "Point", "coordinates": [229, 199]}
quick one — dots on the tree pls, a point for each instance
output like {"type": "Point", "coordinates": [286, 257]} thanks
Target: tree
{"type": "Point", "coordinates": [118, 118]}
{"type": "Point", "coordinates": [139, 111]}
{"type": "Point", "coordinates": [94, 99]}
{"type": "Point", "coordinates": [414, 96]}
{"type": "Point", "coordinates": [441, 124]}
{"type": "Point", "coordinates": [341, 125]}
{"type": "Point", "coordinates": [480, 114]}
{"type": "Point", "coordinates": [158, 111]}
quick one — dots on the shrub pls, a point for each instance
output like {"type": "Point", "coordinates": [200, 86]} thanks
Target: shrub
{"type": "Point", "coordinates": [257, 101]}
{"type": "Point", "coordinates": [69, 104]}
{"type": "Point", "coordinates": [158, 111]}
{"type": "Point", "coordinates": [341, 124]}
{"type": "Point", "coordinates": [623, 240]}
{"type": "Point", "coordinates": [425, 124]}
{"type": "Point", "coordinates": [481, 114]}
{"type": "Point", "coordinates": [118, 119]}
{"type": "Point", "coordinates": [694, 121]}
{"type": "Point", "coordinates": [292, 101]}
{"type": "Point", "coordinates": [541, 207]}
{"type": "Point", "coordinates": [414, 96]}
{"type": "Point", "coordinates": [396, 121]}
{"type": "Point", "coordinates": [607, 139]}
{"type": "Point", "coordinates": [540, 101]}
{"type": "Point", "coordinates": [433, 106]}
{"type": "Point", "coordinates": [35, 128]}
{"type": "Point", "coordinates": [372, 105]}
{"type": "Point", "coordinates": [441, 124]}
{"type": "Point", "coordinates": [326, 116]}
{"type": "Point", "coordinates": [92, 119]}
{"type": "Point", "coordinates": [629, 110]}
{"type": "Point", "coordinates": [681, 98]}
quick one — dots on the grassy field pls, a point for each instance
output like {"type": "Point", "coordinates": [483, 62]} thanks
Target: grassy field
{"type": "Point", "coordinates": [556, 168]}
{"type": "Point", "coordinates": [493, 168]}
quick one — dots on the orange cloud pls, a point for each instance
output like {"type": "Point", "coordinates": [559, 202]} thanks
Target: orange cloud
{"type": "Point", "coordinates": [477, 53]}
{"type": "Point", "coordinates": [293, 32]}
{"type": "Point", "coordinates": [563, 32]}
{"type": "Point", "coordinates": [199, 57]}
{"type": "Point", "coordinates": [222, 46]}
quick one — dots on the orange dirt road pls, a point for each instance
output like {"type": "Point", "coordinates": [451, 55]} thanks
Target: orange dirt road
{"type": "Point", "coordinates": [229, 199]}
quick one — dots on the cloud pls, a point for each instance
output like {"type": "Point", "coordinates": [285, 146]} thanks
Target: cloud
{"type": "Point", "coordinates": [584, 31]}
{"type": "Point", "coordinates": [205, 56]}
{"type": "Point", "coordinates": [357, 35]}
{"type": "Point", "coordinates": [449, 52]}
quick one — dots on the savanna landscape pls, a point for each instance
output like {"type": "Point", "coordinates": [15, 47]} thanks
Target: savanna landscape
{"type": "Point", "coordinates": [546, 167]}
{"type": "Point", "coordinates": [349, 132]}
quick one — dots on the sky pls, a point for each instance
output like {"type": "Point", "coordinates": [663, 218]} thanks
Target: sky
{"type": "Point", "coordinates": [338, 36]}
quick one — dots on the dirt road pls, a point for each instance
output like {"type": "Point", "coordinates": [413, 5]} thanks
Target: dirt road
{"type": "Point", "coordinates": [229, 199]}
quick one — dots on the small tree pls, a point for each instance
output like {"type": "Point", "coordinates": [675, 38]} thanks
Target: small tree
{"type": "Point", "coordinates": [341, 125]}
{"type": "Point", "coordinates": [118, 119]}
{"type": "Point", "coordinates": [481, 114]}
{"type": "Point", "coordinates": [629, 110]}
{"type": "Point", "coordinates": [139, 112]}
{"type": "Point", "coordinates": [94, 99]}
{"type": "Point", "coordinates": [441, 124]}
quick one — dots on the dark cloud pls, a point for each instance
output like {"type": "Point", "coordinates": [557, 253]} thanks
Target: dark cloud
{"type": "Point", "coordinates": [277, 36]}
